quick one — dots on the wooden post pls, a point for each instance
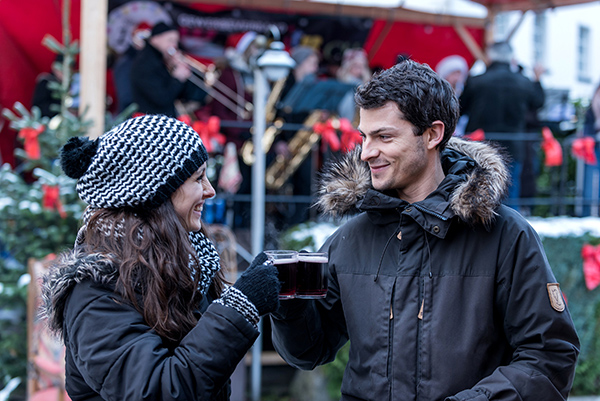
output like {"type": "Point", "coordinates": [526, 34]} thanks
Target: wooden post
{"type": "Point", "coordinates": [468, 40]}
{"type": "Point", "coordinates": [92, 61]}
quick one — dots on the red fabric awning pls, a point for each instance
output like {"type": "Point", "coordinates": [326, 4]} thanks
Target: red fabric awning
{"type": "Point", "coordinates": [23, 55]}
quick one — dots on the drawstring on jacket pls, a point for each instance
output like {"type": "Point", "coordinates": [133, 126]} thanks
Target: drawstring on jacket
{"type": "Point", "coordinates": [386, 246]}
{"type": "Point", "coordinates": [428, 252]}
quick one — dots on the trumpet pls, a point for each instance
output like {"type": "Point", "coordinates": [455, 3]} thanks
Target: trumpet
{"type": "Point", "coordinates": [217, 90]}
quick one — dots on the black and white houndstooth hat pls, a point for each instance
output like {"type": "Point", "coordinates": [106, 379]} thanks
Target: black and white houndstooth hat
{"type": "Point", "coordinates": [139, 163]}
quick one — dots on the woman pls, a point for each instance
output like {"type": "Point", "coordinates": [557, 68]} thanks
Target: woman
{"type": "Point", "coordinates": [140, 302]}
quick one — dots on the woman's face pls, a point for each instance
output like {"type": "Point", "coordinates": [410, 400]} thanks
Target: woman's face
{"type": "Point", "coordinates": [189, 198]}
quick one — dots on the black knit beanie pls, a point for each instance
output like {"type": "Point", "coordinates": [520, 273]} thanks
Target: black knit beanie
{"type": "Point", "coordinates": [139, 163]}
{"type": "Point", "coordinates": [162, 27]}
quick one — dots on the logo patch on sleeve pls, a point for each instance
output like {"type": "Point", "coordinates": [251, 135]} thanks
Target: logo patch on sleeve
{"type": "Point", "coordinates": [556, 298]}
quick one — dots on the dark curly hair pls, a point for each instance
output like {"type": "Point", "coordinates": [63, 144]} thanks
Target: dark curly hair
{"type": "Point", "coordinates": [420, 94]}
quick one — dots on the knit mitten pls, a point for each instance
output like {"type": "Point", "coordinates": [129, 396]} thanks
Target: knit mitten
{"type": "Point", "coordinates": [260, 284]}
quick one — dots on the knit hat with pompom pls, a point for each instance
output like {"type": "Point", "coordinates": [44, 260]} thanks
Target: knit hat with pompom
{"type": "Point", "coordinates": [139, 163]}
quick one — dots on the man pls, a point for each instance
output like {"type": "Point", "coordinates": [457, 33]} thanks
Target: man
{"type": "Point", "coordinates": [499, 100]}
{"type": "Point", "coordinates": [159, 76]}
{"type": "Point", "coordinates": [443, 292]}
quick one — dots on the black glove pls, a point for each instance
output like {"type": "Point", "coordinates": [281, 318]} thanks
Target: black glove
{"type": "Point", "coordinates": [260, 284]}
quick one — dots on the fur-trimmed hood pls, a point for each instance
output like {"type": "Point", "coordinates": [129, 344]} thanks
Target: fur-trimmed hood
{"type": "Point", "coordinates": [345, 183]}
{"type": "Point", "coordinates": [71, 268]}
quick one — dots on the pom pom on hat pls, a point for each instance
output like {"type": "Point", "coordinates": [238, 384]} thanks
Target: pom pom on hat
{"type": "Point", "coordinates": [76, 156]}
{"type": "Point", "coordinates": [140, 163]}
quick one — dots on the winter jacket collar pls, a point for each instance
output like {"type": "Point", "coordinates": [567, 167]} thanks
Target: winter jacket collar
{"type": "Point", "coordinates": [476, 182]}
{"type": "Point", "coordinates": [498, 65]}
{"type": "Point", "coordinates": [72, 268]}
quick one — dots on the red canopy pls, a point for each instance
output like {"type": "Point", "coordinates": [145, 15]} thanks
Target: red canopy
{"type": "Point", "coordinates": [424, 37]}
{"type": "Point", "coordinates": [23, 56]}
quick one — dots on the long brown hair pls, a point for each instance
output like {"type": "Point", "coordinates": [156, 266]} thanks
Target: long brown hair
{"type": "Point", "coordinates": [153, 251]}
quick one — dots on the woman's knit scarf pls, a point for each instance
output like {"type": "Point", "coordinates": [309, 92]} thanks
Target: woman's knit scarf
{"type": "Point", "coordinates": [206, 253]}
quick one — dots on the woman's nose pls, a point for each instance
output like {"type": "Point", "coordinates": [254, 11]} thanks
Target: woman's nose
{"type": "Point", "coordinates": [209, 191]}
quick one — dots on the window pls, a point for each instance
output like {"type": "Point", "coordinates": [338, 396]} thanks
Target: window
{"type": "Point", "coordinates": [583, 54]}
{"type": "Point", "coordinates": [501, 26]}
{"type": "Point", "coordinates": [539, 38]}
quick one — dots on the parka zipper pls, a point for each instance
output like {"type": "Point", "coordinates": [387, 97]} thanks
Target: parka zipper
{"type": "Point", "coordinates": [424, 210]}
{"type": "Point", "coordinates": [425, 284]}
{"type": "Point", "coordinates": [390, 365]}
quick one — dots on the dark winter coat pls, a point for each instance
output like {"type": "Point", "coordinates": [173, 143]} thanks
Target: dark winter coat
{"type": "Point", "coordinates": [112, 353]}
{"type": "Point", "coordinates": [154, 89]}
{"type": "Point", "coordinates": [499, 101]}
{"type": "Point", "coordinates": [444, 299]}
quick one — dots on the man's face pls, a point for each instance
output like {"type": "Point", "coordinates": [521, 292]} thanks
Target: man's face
{"type": "Point", "coordinates": [165, 41]}
{"type": "Point", "coordinates": [396, 156]}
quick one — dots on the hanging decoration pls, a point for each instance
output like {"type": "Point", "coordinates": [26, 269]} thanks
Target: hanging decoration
{"type": "Point", "coordinates": [328, 132]}
{"type": "Point", "coordinates": [591, 265]}
{"type": "Point", "coordinates": [584, 149]}
{"type": "Point", "coordinates": [31, 143]}
{"type": "Point", "coordinates": [551, 148]}
{"type": "Point", "coordinates": [209, 133]}
{"type": "Point", "coordinates": [477, 135]}
{"type": "Point", "coordinates": [350, 135]}
{"type": "Point", "coordinates": [51, 199]}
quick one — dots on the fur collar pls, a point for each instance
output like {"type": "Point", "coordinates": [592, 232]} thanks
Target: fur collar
{"type": "Point", "coordinates": [475, 200]}
{"type": "Point", "coordinates": [71, 268]}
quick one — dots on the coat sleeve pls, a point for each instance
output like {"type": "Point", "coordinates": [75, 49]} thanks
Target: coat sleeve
{"type": "Point", "coordinates": [538, 95]}
{"type": "Point", "coordinates": [544, 340]}
{"type": "Point", "coordinates": [308, 333]}
{"type": "Point", "coordinates": [120, 357]}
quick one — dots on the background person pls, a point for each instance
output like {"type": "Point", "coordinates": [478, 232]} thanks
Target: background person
{"type": "Point", "coordinates": [140, 301]}
{"type": "Point", "coordinates": [499, 100]}
{"type": "Point", "coordinates": [159, 76]}
{"type": "Point", "coordinates": [591, 127]}
{"type": "Point", "coordinates": [354, 70]}
{"type": "Point", "coordinates": [443, 292]}
{"type": "Point", "coordinates": [455, 70]}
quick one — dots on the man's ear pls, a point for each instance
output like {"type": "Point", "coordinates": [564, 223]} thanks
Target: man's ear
{"type": "Point", "coordinates": [434, 134]}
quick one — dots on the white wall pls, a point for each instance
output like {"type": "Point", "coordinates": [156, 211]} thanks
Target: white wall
{"type": "Point", "coordinates": [562, 30]}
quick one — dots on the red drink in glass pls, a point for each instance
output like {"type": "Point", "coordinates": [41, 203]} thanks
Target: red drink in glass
{"type": "Point", "coordinates": [286, 263]}
{"type": "Point", "coordinates": [311, 275]}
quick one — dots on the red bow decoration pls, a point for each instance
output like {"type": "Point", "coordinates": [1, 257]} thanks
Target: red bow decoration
{"type": "Point", "coordinates": [51, 199]}
{"type": "Point", "coordinates": [583, 149]}
{"type": "Point", "coordinates": [186, 119]}
{"type": "Point", "coordinates": [350, 136]}
{"type": "Point", "coordinates": [591, 265]}
{"type": "Point", "coordinates": [32, 145]}
{"type": "Point", "coordinates": [552, 149]}
{"type": "Point", "coordinates": [209, 131]}
{"type": "Point", "coordinates": [328, 134]}
{"type": "Point", "coordinates": [477, 135]}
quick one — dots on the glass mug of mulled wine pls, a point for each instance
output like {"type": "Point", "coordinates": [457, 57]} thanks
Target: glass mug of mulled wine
{"type": "Point", "coordinates": [301, 274]}
{"type": "Point", "coordinates": [286, 263]}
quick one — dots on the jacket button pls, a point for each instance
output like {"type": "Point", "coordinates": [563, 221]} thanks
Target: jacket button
{"type": "Point", "coordinates": [408, 209]}
{"type": "Point", "coordinates": [436, 229]}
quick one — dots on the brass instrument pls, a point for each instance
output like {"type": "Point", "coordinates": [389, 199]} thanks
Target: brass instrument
{"type": "Point", "coordinates": [300, 145]}
{"type": "Point", "coordinates": [205, 78]}
{"type": "Point", "coordinates": [247, 150]}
